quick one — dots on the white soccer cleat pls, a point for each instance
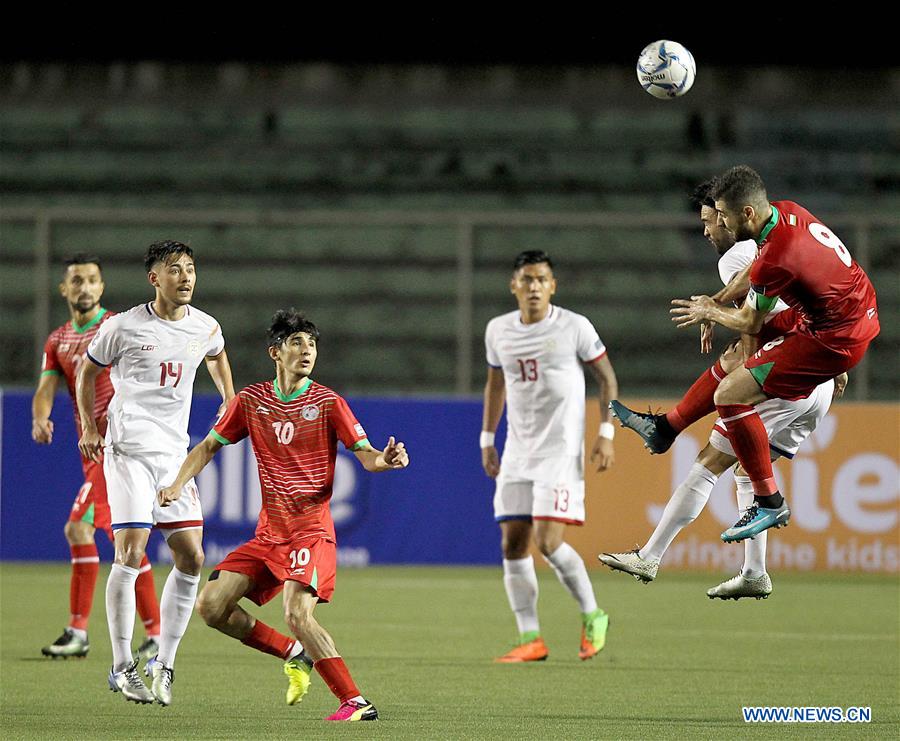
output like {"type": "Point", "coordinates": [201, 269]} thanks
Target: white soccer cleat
{"type": "Point", "coordinates": [163, 677]}
{"type": "Point", "coordinates": [631, 563]}
{"type": "Point", "coordinates": [740, 586]}
{"type": "Point", "coordinates": [130, 684]}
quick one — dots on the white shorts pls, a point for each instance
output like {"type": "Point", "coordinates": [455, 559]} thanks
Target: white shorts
{"type": "Point", "coordinates": [132, 483]}
{"type": "Point", "coordinates": [787, 423]}
{"type": "Point", "coordinates": [547, 489]}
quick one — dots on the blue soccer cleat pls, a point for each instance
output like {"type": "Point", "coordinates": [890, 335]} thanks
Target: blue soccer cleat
{"type": "Point", "coordinates": [755, 520]}
{"type": "Point", "coordinates": [645, 425]}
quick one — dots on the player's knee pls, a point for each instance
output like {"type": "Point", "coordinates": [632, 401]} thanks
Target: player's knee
{"type": "Point", "coordinates": [299, 619]}
{"type": "Point", "coordinates": [547, 544]}
{"type": "Point", "coordinates": [78, 533]}
{"type": "Point", "coordinates": [514, 548]}
{"type": "Point", "coordinates": [212, 608]}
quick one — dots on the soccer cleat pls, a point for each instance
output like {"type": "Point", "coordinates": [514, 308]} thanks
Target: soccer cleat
{"type": "Point", "coordinates": [645, 425]}
{"type": "Point", "coordinates": [147, 650]}
{"type": "Point", "coordinates": [535, 650]}
{"type": "Point", "coordinates": [68, 644]}
{"type": "Point", "coordinates": [740, 586]}
{"type": "Point", "coordinates": [593, 634]}
{"type": "Point", "coordinates": [755, 520]}
{"type": "Point", "coordinates": [129, 683]}
{"type": "Point", "coordinates": [351, 710]}
{"type": "Point", "coordinates": [631, 563]}
{"type": "Point", "coordinates": [297, 670]}
{"type": "Point", "coordinates": [163, 677]}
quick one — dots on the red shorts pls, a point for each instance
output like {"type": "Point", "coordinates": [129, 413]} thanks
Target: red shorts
{"type": "Point", "coordinates": [91, 505]}
{"type": "Point", "coordinates": [311, 562]}
{"type": "Point", "coordinates": [792, 365]}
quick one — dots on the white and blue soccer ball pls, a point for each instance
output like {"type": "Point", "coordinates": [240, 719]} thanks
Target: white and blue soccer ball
{"type": "Point", "coordinates": [666, 69]}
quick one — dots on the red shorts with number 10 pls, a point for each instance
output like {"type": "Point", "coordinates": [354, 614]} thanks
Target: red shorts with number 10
{"type": "Point", "coordinates": [91, 505]}
{"type": "Point", "coordinates": [311, 562]}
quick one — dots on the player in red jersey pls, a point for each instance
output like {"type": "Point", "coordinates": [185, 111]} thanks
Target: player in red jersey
{"type": "Point", "coordinates": [804, 263]}
{"type": "Point", "coordinates": [81, 287]}
{"type": "Point", "coordinates": [294, 425]}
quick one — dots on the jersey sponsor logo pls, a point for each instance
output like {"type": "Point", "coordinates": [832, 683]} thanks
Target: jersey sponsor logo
{"type": "Point", "coordinates": [871, 313]}
{"type": "Point", "coordinates": [262, 410]}
{"type": "Point", "coordinates": [148, 348]}
{"type": "Point", "coordinates": [194, 347]}
{"type": "Point", "coordinates": [310, 412]}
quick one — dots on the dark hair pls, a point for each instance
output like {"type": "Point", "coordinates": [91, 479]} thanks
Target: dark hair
{"type": "Point", "coordinates": [161, 251]}
{"type": "Point", "coordinates": [286, 322]}
{"type": "Point", "coordinates": [740, 186]}
{"type": "Point", "coordinates": [82, 258]}
{"type": "Point", "coordinates": [531, 257]}
{"type": "Point", "coordinates": [702, 195]}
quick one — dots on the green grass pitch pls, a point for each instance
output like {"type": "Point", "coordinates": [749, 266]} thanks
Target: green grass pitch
{"type": "Point", "coordinates": [419, 642]}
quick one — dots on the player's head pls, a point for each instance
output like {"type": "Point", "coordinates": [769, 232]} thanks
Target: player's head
{"type": "Point", "coordinates": [82, 283]}
{"type": "Point", "coordinates": [170, 269]}
{"type": "Point", "coordinates": [532, 281]}
{"type": "Point", "coordinates": [719, 237]}
{"type": "Point", "coordinates": [741, 201]}
{"type": "Point", "coordinates": [293, 342]}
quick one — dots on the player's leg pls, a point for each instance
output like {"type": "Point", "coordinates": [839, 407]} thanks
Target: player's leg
{"type": "Point", "coordinates": [299, 602]}
{"type": "Point", "coordinates": [512, 510]}
{"type": "Point", "coordinates": [79, 533]}
{"type": "Point", "coordinates": [660, 430]}
{"type": "Point", "coordinates": [237, 577]}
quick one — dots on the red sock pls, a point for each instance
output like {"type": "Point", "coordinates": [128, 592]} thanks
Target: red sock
{"type": "Point", "coordinates": [698, 401]}
{"type": "Point", "coordinates": [751, 445]}
{"type": "Point", "coordinates": [269, 641]}
{"type": "Point", "coordinates": [85, 567]}
{"type": "Point", "coordinates": [337, 677]}
{"type": "Point", "coordinates": [145, 597]}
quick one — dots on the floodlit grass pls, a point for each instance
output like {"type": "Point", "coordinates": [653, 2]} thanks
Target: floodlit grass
{"type": "Point", "coordinates": [419, 642]}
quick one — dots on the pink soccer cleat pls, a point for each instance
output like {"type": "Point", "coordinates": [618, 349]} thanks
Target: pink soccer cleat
{"type": "Point", "coordinates": [351, 710]}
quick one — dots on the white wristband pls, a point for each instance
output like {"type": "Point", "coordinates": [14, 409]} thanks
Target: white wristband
{"type": "Point", "coordinates": [607, 430]}
{"type": "Point", "coordinates": [486, 440]}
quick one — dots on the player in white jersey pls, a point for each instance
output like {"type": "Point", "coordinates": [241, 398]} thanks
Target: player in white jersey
{"type": "Point", "coordinates": [535, 357]}
{"type": "Point", "coordinates": [154, 350]}
{"type": "Point", "coordinates": [788, 424]}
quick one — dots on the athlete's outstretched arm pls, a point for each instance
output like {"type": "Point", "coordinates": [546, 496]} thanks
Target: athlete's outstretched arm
{"type": "Point", "coordinates": [393, 456]}
{"type": "Point", "coordinates": [195, 462]}
{"type": "Point", "coordinates": [220, 371]}
{"type": "Point", "coordinates": [735, 291]}
{"type": "Point", "coordinates": [602, 452]}
{"type": "Point", "coordinates": [91, 443]}
{"type": "Point", "coordinates": [41, 406]}
{"type": "Point", "coordinates": [494, 399]}
{"type": "Point", "coordinates": [745, 320]}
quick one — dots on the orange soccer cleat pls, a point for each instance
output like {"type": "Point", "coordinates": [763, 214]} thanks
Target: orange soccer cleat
{"type": "Point", "coordinates": [533, 650]}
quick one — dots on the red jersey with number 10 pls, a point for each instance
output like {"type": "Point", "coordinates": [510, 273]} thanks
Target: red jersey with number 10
{"type": "Point", "coordinates": [295, 441]}
{"type": "Point", "coordinates": [64, 353]}
{"type": "Point", "coordinates": [802, 262]}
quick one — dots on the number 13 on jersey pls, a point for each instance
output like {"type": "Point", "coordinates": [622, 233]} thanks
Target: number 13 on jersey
{"type": "Point", "coordinates": [529, 369]}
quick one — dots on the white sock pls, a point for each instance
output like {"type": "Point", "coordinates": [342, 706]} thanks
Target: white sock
{"type": "Point", "coordinates": [175, 609]}
{"type": "Point", "coordinates": [572, 574]}
{"type": "Point", "coordinates": [687, 501]}
{"type": "Point", "coordinates": [296, 650]}
{"type": "Point", "coordinates": [78, 633]}
{"type": "Point", "coordinates": [521, 584]}
{"type": "Point", "coordinates": [120, 612]}
{"type": "Point", "coordinates": [754, 550]}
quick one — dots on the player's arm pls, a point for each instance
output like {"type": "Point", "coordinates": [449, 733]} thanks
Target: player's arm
{"type": "Point", "coordinates": [602, 453]}
{"type": "Point", "coordinates": [494, 399]}
{"type": "Point", "coordinates": [91, 442]}
{"type": "Point", "coordinates": [748, 319]}
{"type": "Point", "coordinates": [840, 385]}
{"type": "Point", "coordinates": [393, 456]}
{"type": "Point", "coordinates": [220, 371]}
{"type": "Point", "coordinates": [195, 462]}
{"type": "Point", "coordinates": [736, 289]}
{"type": "Point", "coordinates": [41, 406]}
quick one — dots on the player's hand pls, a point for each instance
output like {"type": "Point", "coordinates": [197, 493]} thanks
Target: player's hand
{"type": "Point", "coordinates": [840, 385]}
{"type": "Point", "coordinates": [395, 455]}
{"type": "Point", "coordinates": [166, 496]}
{"type": "Point", "coordinates": [707, 330]}
{"type": "Point", "coordinates": [490, 461]}
{"type": "Point", "coordinates": [91, 446]}
{"type": "Point", "coordinates": [603, 455]}
{"type": "Point", "coordinates": [42, 431]}
{"type": "Point", "coordinates": [687, 313]}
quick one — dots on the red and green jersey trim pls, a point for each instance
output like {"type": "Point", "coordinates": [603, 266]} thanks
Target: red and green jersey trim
{"type": "Point", "coordinates": [82, 328]}
{"type": "Point", "coordinates": [218, 438]}
{"type": "Point", "coordinates": [770, 225]}
{"type": "Point", "coordinates": [307, 382]}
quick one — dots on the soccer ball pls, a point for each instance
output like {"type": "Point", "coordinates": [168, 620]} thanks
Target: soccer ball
{"type": "Point", "coordinates": [666, 69]}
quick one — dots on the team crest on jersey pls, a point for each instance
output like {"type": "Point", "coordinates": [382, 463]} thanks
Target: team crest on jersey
{"type": "Point", "coordinates": [64, 347]}
{"type": "Point", "coordinates": [550, 345]}
{"type": "Point", "coordinates": [194, 347]}
{"type": "Point", "coordinates": [310, 412]}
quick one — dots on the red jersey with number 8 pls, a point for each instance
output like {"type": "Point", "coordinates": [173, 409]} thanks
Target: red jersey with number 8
{"type": "Point", "coordinates": [295, 441]}
{"type": "Point", "coordinates": [802, 262]}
